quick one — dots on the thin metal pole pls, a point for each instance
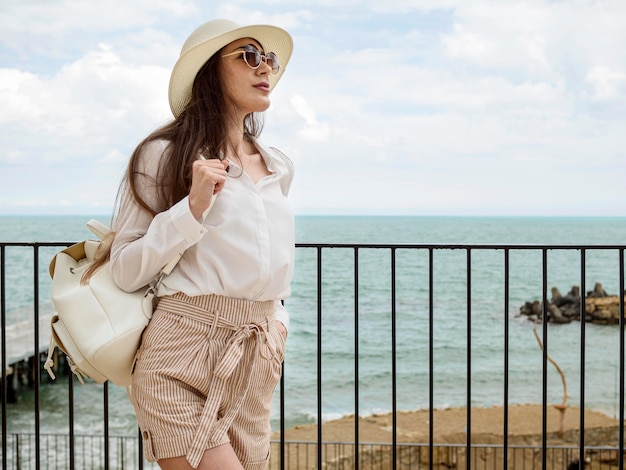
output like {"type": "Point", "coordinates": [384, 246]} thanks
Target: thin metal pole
{"type": "Point", "coordinates": [319, 357]}
{"type": "Point", "coordinates": [394, 387]}
{"type": "Point", "coordinates": [356, 358]}
{"type": "Point", "coordinates": [3, 346]}
{"type": "Point", "coordinates": [505, 430]}
{"type": "Point", "coordinates": [621, 358]}
{"type": "Point", "coordinates": [583, 289]}
{"type": "Point", "coordinates": [469, 359]}
{"type": "Point", "coordinates": [140, 440]}
{"type": "Point", "coordinates": [431, 373]}
{"type": "Point", "coordinates": [70, 385]}
{"type": "Point", "coordinates": [282, 411]}
{"type": "Point", "coordinates": [544, 315]}
{"type": "Point", "coordinates": [106, 424]}
{"type": "Point", "coordinates": [282, 417]}
{"type": "Point", "coordinates": [36, 381]}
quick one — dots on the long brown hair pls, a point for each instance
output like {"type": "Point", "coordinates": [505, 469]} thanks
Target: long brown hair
{"type": "Point", "coordinates": [201, 126]}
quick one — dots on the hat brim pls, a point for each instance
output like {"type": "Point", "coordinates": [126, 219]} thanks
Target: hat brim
{"type": "Point", "coordinates": [271, 38]}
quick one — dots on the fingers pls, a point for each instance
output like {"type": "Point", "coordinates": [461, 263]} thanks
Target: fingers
{"type": "Point", "coordinates": [208, 178]}
{"type": "Point", "coordinates": [210, 174]}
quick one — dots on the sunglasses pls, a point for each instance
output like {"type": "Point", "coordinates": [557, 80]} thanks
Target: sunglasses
{"type": "Point", "coordinates": [253, 58]}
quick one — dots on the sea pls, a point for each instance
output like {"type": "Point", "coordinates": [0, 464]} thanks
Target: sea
{"type": "Point", "coordinates": [366, 310]}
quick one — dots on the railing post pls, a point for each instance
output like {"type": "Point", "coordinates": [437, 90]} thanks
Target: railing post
{"type": "Point", "coordinates": [319, 357]}
{"type": "Point", "coordinates": [105, 387]}
{"type": "Point", "coordinates": [469, 359]}
{"type": "Point", "coordinates": [18, 463]}
{"type": "Point", "coordinates": [356, 357]}
{"type": "Point", "coordinates": [544, 320]}
{"type": "Point", "coordinates": [140, 445]}
{"type": "Point", "coordinates": [394, 405]}
{"type": "Point", "coordinates": [121, 463]}
{"type": "Point", "coordinates": [70, 390]}
{"type": "Point", "coordinates": [505, 430]}
{"type": "Point", "coordinates": [431, 359]}
{"type": "Point", "coordinates": [622, 325]}
{"type": "Point", "coordinates": [282, 417]}
{"type": "Point", "coordinates": [35, 371]}
{"type": "Point", "coordinates": [583, 322]}
{"type": "Point", "coordinates": [3, 345]}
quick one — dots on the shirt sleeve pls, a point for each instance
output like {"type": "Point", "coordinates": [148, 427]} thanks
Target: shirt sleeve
{"type": "Point", "coordinates": [143, 245]}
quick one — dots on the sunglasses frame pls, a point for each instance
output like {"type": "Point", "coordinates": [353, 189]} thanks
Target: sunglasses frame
{"type": "Point", "coordinates": [251, 48]}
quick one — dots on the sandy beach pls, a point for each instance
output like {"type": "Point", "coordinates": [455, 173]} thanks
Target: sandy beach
{"type": "Point", "coordinates": [524, 429]}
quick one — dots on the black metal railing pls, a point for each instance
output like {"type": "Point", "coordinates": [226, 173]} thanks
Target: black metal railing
{"type": "Point", "coordinates": [400, 284]}
{"type": "Point", "coordinates": [89, 453]}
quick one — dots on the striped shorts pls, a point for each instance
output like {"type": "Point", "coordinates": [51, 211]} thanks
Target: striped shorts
{"type": "Point", "coordinates": [205, 374]}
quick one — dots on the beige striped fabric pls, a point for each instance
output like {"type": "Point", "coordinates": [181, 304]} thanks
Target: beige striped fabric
{"type": "Point", "coordinates": [205, 374]}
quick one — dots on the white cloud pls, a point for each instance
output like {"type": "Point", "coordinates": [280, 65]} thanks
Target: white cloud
{"type": "Point", "coordinates": [468, 46]}
{"type": "Point", "coordinates": [283, 17]}
{"type": "Point", "coordinates": [69, 16]}
{"type": "Point", "coordinates": [416, 106]}
{"type": "Point", "coordinates": [16, 93]}
{"type": "Point", "coordinates": [88, 106]}
{"type": "Point", "coordinates": [608, 84]}
{"type": "Point", "coordinates": [312, 129]}
{"type": "Point", "coordinates": [115, 156]}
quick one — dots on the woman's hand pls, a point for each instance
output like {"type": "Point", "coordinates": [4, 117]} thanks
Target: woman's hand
{"type": "Point", "coordinates": [207, 180]}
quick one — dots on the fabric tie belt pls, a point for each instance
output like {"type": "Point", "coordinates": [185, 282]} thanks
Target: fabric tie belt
{"type": "Point", "coordinates": [247, 339]}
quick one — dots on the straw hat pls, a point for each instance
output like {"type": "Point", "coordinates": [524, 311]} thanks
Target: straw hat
{"type": "Point", "coordinates": [209, 38]}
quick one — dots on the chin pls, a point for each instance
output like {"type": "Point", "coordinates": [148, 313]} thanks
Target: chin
{"type": "Point", "coordinates": [263, 106]}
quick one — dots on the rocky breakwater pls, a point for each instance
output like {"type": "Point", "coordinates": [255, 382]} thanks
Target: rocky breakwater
{"type": "Point", "coordinates": [600, 307]}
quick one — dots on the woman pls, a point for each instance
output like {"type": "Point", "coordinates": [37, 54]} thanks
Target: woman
{"type": "Point", "coordinates": [203, 185]}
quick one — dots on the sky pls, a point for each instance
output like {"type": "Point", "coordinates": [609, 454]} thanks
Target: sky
{"type": "Point", "coordinates": [401, 107]}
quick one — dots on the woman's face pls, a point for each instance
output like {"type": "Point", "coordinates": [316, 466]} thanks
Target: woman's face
{"type": "Point", "coordinates": [245, 88]}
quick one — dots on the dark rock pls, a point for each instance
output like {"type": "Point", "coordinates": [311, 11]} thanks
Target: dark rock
{"type": "Point", "coordinates": [555, 315]}
{"type": "Point", "coordinates": [599, 307]}
{"type": "Point", "coordinates": [597, 291]}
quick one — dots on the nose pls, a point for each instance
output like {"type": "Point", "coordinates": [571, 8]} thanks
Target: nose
{"type": "Point", "coordinates": [264, 67]}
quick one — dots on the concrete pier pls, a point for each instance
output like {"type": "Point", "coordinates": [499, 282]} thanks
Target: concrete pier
{"type": "Point", "coordinates": [23, 357]}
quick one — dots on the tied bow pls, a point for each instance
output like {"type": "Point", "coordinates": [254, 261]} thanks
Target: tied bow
{"type": "Point", "coordinates": [230, 358]}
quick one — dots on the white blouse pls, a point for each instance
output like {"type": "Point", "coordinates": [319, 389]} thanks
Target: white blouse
{"type": "Point", "coordinates": [244, 248]}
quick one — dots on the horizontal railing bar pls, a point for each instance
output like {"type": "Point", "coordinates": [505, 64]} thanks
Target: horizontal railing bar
{"type": "Point", "coordinates": [462, 246]}
{"type": "Point", "coordinates": [449, 444]}
{"type": "Point", "coordinates": [38, 244]}
{"type": "Point", "coordinates": [436, 246]}
{"type": "Point", "coordinates": [341, 443]}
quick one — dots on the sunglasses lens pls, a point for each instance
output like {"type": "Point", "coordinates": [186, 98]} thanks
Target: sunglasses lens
{"type": "Point", "coordinates": [252, 57]}
{"type": "Point", "coordinates": [272, 61]}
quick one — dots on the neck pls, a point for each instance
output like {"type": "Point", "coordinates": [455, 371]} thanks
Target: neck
{"type": "Point", "coordinates": [234, 130]}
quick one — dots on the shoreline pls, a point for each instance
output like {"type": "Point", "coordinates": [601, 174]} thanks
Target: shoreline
{"type": "Point", "coordinates": [450, 449]}
{"type": "Point", "coordinates": [525, 424]}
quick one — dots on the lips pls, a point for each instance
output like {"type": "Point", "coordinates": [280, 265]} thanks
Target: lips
{"type": "Point", "coordinates": [263, 86]}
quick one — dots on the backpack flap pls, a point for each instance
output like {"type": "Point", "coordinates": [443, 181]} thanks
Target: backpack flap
{"type": "Point", "coordinates": [81, 253]}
